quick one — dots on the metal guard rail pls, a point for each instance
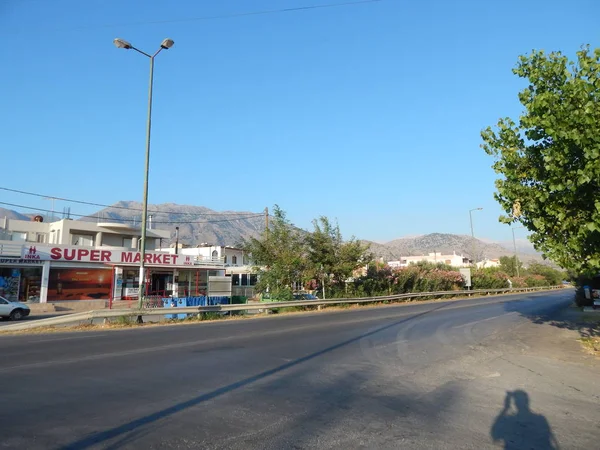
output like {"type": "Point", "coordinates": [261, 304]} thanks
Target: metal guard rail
{"type": "Point", "coordinates": [108, 313]}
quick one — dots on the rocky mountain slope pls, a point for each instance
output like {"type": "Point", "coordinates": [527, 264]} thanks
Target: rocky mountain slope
{"type": "Point", "coordinates": [438, 242]}
{"type": "Point", "coordinates": [198, 225]}
{"type": "Point", "coordinates": [13, 214]}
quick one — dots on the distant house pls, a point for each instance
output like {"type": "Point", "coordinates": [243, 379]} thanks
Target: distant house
{"type": "Point", "coordinates": [436, 257]}
{"type": "Point", "coordinates": [488, 263]}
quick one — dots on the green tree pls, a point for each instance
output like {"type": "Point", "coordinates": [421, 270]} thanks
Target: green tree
{"type": "Point", "coordinates": [509, 264]}
{"type": "Point", "coordinates": [333, 260]}
{"type": "Point", "coordinates": [548, 161]}
{"type": "Point", "coordinates": [278, 256]}
{"type": "Point", "coordinates": [553, 276]}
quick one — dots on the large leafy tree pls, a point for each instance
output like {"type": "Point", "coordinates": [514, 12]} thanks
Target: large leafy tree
{"type": "Point", "coordinates": [549, 160]}
{"type": "Point", "coordinates": [278, 256]}
{"type": "Point", "coordinates": [332, 259]}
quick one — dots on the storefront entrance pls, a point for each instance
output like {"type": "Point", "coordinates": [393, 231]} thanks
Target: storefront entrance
{"type": "Point", "coordinates": [161, 283]}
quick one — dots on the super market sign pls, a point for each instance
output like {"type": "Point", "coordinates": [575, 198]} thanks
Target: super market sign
{"type": "Point", "coordinates": [103, 256]}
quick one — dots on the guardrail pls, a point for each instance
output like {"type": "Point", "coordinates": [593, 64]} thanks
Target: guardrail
{"type": "Point", "coordinates": [109, 313]}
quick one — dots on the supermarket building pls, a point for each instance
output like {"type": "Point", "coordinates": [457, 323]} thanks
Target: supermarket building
{"type": "Point", "coordinates": [71, 260]}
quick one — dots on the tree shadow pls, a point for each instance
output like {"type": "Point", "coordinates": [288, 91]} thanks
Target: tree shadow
{"type": "Point", "coordinates": [518, 427]}
{"type": "Point", "coordinates": [563, 315]}
{"type": "Point", "coordinates": [103, 436]}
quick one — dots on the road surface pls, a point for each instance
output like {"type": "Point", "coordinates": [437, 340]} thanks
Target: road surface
{"type": "Point", "coordinates": [423, 376]}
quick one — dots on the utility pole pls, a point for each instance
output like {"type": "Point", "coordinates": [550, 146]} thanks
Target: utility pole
{"type": "Point", "coordinates": [515, 247]}
{"type": "Point", "coordinates": [473, 243]}
{"type": "Point", "coordinates": [267, 219]}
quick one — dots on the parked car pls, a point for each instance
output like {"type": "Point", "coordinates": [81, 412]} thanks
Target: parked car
{"type": "Point", "coordinates": [305, 297]}
{"type": "Point", "coordinates": [13, 310]}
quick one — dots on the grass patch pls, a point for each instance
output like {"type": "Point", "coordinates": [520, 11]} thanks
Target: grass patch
{"type": "Point", "coordinates": [125, 321]}
{"type": "Point", "coordinates": [591, 344]}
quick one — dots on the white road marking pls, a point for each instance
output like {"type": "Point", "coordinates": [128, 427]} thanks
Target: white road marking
{"type": "Point", "coordinates": [484, 320]}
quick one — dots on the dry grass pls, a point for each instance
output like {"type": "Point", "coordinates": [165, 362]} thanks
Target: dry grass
{"type": "Point", "coordinates": [591, 344]}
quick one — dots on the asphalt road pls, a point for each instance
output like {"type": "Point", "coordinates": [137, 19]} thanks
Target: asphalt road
{"type": "Point", "coordinates": [432, 375]}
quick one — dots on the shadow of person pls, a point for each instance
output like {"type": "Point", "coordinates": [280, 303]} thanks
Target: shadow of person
{"type": "Point", "coordinates": [522, 429]}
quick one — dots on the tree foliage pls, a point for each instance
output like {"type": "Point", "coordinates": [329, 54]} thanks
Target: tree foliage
{"type": "Point", "coordinates": [549, 160]}
{"type": "Point", "coordinates": [509, 265]}
{"type": "Point", "coordinates": [286, 258]}
{"type": "Point", "coordinates": [332, 259]}
{"type": "Point", "coordinates": [278, 256]}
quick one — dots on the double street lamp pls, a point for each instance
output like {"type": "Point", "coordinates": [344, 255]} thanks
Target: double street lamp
{"type": "Point", "coordinates": [166, 44]}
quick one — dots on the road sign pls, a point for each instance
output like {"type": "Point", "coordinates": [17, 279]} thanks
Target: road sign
{"type": "Point", "coordinates": [466, 274]}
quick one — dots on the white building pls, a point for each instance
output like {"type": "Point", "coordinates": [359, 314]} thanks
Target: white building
{"type": "Point", "coordinates": [488, 263]}
{"type": "Point", "coordinates": [235, 260]}
{"type": "Point", "coordinates": [453, 260]}
{"type": "Point", "coordinates": [71, 260]}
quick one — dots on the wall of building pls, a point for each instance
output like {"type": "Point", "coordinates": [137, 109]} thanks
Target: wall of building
{"type": "Point", "coordinates": [65, 232]}
{"type": "Point", "coordinates": [452, 260]}
{"type": "Point", "coordinates": [231, 256]}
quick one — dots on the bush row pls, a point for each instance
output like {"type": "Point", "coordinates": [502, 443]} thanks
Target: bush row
{"type": "Point", "coordinates": [381, 279]}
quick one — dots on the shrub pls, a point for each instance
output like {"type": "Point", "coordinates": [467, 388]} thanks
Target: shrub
{"type": "Point", "coordinates": [489, 278]}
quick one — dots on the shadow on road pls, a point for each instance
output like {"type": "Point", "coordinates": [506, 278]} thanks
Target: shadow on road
{"type": "Point", "coordinates": [561, 314]}
{"type": "Point", "coordinates": [103, 436]}
{"type": "Point", "coordinates": [519, 427]}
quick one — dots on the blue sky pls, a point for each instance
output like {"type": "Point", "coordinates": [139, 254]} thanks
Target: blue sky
{"type": "Point", "coordinates": [368, 113]}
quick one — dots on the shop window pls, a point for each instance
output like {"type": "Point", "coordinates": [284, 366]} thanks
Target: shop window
{"type": "Point", "coordinates": [234, 259]}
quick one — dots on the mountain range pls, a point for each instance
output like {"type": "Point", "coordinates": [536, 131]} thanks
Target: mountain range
{"type": "Point", "coordinates": [446, 243]}
{"type": "Point", "coordinates": [199, 225]}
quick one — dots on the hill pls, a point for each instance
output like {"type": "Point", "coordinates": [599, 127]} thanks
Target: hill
{"type": "Point", "coordinates": [13, 214]}
{"type": "Point", "coordinates": [198, 224]}
{"type": "Point", "coordinates": [449, 243]}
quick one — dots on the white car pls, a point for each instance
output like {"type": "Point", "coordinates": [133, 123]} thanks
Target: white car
{"type": "Point", "coordinates": [13, 310]}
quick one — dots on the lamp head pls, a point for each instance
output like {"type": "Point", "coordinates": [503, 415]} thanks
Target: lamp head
{"type": "Point", "coordinates": [167, 43]}
{"type": "Point", "coordinates": [122, 43]}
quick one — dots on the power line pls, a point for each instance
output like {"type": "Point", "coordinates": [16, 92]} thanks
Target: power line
{"type": "Point", "coordinates": [231, 219]}
{"type": "Point", "coordinates": [115, 206]}
{"type": "Point", "coordinates": [228, 16]}
{"type": "Point", "coordinates": [250, 13]}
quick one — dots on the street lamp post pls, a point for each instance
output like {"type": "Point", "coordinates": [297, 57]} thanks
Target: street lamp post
{"type": "Point", "coordinates": [515, 247]}
{"type": "Point", "coordinates": [473, 234]}
{"type": "Point", "coordinates": [165, 44]}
